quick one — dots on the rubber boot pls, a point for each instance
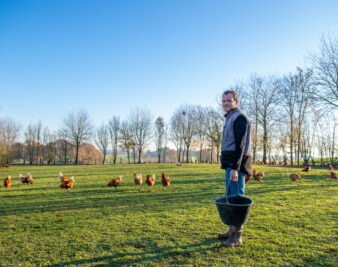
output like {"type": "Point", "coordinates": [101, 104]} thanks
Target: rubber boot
{"type": "Point", "coordinates": [227, 234]}
{"type": "Point", "coordinates": [235, 239]}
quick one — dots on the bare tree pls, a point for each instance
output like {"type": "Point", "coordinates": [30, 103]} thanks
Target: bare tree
{"type": "Point", "coordinates": [45, 135]}
{"type": "Point", "coordinates": [189, 126]}
{"type": "Point", "coordinates": [31, 143]}
{"type": "Point", "coordinates": [201, 121]}
{"type": "Point", "coordinates": [288, 92]}
{"type": "Point", "coordinates": [326, 139]}
{"type": "Point", "coordinates": [18, 152]}
{"type": "Point", "coordinates": [322, 139]}
{"type": "Point", "coordinates": [307, 140]}
{"type": "Point", "coordinates": [176, 133]}
{"type": "Point", "coordinates": [282, 143]}
{"type": "Point", "coordinates": [254, 90]}
{"type": "Point", "coordinates": [63, 146]}
{"type": "Point", "coordinates": [325, 64]}
{"type": "Point", "coordinates": [303, 101]}
{"type": "Point", "coordinates": [39, 146]}
{"type": "Point", "coordinates": [165, 142]}
{"type": "Point", "coordinates": [8, 133]}
{"type": "Point", "coordinates": [328, 127]}
{"type": "Point", "coordinates": [102, 140]}
{"type": "Point", "coordinates": [78, 128]}
{"type": "Point", "coordinates": [140, 123]}
{"type": "Point", "coordinates": [127, 142]}
{"type": "Point", "coordinates": [34, 144]}
{"type": "Point", "coordinates": [265, 97]}
{"type": "Point", "coordinates": [159, 135]}
{"type": "Point", "coordinates": [50, 139]}
{"type": "Point", "coordinates": [214, 129]}
{"type": "Point", "coordinates": [183, 128]}
{"type": "Point", "coordinates": [114, 128]}
{"type": "Point", "coordinates": [333, 147]}
{"type": "Point", "coordinates": [295, 98]}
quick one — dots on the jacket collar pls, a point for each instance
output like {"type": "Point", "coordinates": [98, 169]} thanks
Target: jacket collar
{"type": "Point", "coordinates": [231, 111]}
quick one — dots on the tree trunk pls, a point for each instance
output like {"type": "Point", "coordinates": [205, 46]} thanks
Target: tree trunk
{"type": "Point", "coordinates": [159, 155]}
{"type": "Point", "coordinates": [187, 155]}
{"type": "Point", "coordinates": [104, 158]}
{"type": "Point", "coordinates": [201, 149]}
{"type": "Point", "coordinates": [114, 155]}
{"type": "Point", "coordinates": [179, 154]}
{"type": "Point", "coordinates": [139, 155]}
{"type": "Point", "coordinates": [164, 153]}
{"type": "Point", "coordinates": [211, 152]}
{"type": "Point", "coordinates": [218, 149]}
{"type": "Point", "coordinates": [65, 155]}
{"type": "Point", "coordinates": [333, 143]}
{"type": "Point", "coordinates": [128, 155]}
{"type": "Point", "coordinates": [321, 157]}
{"type": "Point", "coordinates": [77, 153]}
{"type": "Point", "coordinates": [265, 142]}
{"type": "Point", "coordinates": [134, 155]}
{"type": "Point", "coordinates": [298, 147]}
{"type": "Point", "coordinates": [255, 143]}
{"type": "Point", "coordinates": [291, 140]}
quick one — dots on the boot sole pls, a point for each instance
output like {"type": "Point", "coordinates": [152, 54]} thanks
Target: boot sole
{"type": "Point", "coordinates": [230, 245]}
{"type": "Point", "coordinates": [222, 237]}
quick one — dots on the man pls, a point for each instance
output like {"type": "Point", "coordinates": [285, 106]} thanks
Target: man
{"type": "Point", "coordinates": [235, 158]}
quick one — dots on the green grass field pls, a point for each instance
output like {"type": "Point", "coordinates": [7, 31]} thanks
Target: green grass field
{"type": "Point", "coordinates": [291, 224]}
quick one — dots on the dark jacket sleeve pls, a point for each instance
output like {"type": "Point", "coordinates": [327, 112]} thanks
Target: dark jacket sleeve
{"type": "Point", "coordinates": [240, 129]}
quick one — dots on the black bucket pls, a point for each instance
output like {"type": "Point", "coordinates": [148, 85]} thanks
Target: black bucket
{"type": "Point", "coordinates": [234, 210]}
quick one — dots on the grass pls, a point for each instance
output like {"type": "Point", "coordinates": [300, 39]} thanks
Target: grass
{"type": "Point", "coordinates": [291, 224]}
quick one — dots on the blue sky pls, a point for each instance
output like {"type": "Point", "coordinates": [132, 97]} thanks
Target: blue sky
{"type": "Point", "coordinates": [111, 56]}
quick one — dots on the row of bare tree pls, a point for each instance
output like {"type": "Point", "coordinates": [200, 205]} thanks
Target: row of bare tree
{"type": "Point", "coordinates": [296, 114]}
{"type": "Point", "coordinates": [41, 146]}
{"type": "Point", "coordinates": [294, 119]}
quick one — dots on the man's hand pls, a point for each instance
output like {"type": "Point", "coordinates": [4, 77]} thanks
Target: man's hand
{"type": "Point", "coordinates": [234, 175]}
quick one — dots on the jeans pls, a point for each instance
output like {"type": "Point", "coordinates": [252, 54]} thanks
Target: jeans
{"type": "Point", "coordinates": [234, 188]}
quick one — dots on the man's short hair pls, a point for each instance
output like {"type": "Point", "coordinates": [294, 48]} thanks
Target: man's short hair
{"type": "Point", "coordinates": [233, 92]}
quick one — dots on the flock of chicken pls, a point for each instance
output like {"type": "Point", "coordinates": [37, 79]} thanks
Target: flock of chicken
{"type": "Point", "coordinates": [68, 183]}
{"type": "Point", "coordinates": [258, 176]}
{"type": "Point", "coordinates": [150, 180]}
{"type": "Point", "coordinates": [4, 166]}
{"type": "Point", "coordinates": [296, 176]}
{"type": "Point", "coordinates": [28, 179]}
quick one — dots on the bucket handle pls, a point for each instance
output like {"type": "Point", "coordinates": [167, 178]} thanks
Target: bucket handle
{"type": "Point", "coordinates": [228, 187]}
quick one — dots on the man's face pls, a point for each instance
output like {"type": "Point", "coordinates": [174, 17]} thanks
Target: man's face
{"type": "Point", "coordinates": [228, 102]}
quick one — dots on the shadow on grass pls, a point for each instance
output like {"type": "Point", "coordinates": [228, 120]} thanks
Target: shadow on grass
{"type": "Point", "coordinates": [292, 188]}
{"type": "Point", "coordinates": [143, 257]}
{"type": "Point", "coordinates": [117, 200]}
{"type": "Point", "coordinates": [100, 197]}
